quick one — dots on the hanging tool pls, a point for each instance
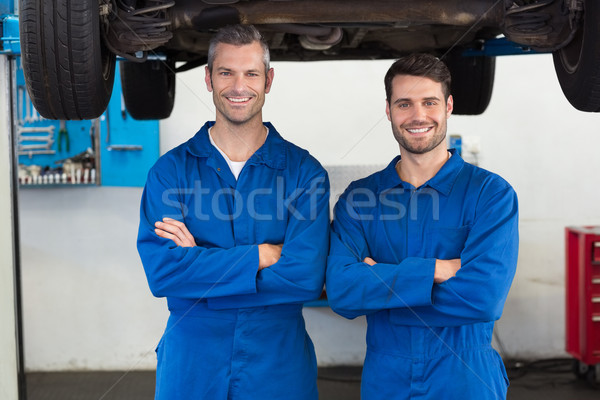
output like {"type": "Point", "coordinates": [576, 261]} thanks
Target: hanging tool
{"type": "Point", "coordinates": [32, 153]}
{"type": "Point", "coordinates": [123, 109]}
{"type": "Point", "coordinates": [25, 147]}
{"type": "Point", "coordinates": [28, 107]}
{"type": "Point", "coordinates": [20, 107]}
{"type": "Point", "coordinates": [29, 129]}
{"type": "Point", "coordinates": [63, 134]}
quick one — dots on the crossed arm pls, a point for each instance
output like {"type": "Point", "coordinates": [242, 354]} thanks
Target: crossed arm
{"type": "Point", "coordinates": [176, 231]}
{"type": "Point", "coordinates": [269, 254]}
{"type": "Point", "coordinates": [444, 269]}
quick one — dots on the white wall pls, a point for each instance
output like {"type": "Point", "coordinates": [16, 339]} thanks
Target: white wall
{"type": "Point", "coordinates": [86, 302]}
{"type": "Point", "coordinates": [85, 298]}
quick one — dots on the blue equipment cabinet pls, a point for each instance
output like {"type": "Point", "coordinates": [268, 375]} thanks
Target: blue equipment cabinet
{"type": "Point", "coordinates": [128, 148]}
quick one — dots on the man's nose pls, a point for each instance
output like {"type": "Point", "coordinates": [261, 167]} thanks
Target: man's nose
{"type": "Point", "coordinates": [419, 113]}
{"type": "Point", "coordinates": [239, 83]}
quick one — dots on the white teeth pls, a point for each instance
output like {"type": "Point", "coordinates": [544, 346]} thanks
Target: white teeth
{"type": "Point", "coordinates": [420, 130]}
{"type": "Point", "coordinates": [238, 100]}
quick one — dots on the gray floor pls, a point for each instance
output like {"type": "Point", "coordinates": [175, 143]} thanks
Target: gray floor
{"type": "Point", "coordinates": [544, 380]}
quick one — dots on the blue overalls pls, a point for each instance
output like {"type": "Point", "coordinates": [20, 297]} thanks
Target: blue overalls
{"type": "Point", "coordinates": [426, 340]}
{"type": "Point", "coordinates": [235, 332]}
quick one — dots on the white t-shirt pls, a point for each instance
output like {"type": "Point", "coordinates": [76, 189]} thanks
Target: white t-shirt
{"type": "Point", "coordinates": [234, 166]}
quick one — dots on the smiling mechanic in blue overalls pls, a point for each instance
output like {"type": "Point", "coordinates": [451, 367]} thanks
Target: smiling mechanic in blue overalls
{"type": "Point", "coordinates": [427, 250]}
{"type": "Point", "coordinates": [234, 231]}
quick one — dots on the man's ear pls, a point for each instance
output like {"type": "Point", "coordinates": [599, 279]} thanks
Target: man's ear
{"type": "Point", "coordinates": [449, 106]}
{"type": "Point", "coordinates": [208, 79]}
{"type": "Point", "coordinates": [269, 81]}
{"type": "Point", "coordinates": [387, 110]}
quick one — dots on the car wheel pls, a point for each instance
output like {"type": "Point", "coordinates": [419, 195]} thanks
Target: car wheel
{"type": "Point", "coordinates": [592, 378]}
{"type": "Point", "coordinates": [580, 369]}
{"type": "Point", "coordinates": [68, 71]}
{"type": "Point", "coordinates": [472, 82]}
{"type": "Point", "coordinates": [148, 88]}
{"type": "Point", "coordinates": [577, 64]}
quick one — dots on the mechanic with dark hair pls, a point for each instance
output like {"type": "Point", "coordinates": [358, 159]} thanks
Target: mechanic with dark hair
{"type": "Point", "coordinates": [234, 230]}
{"type": "Point", "coordinates": [427, 250]}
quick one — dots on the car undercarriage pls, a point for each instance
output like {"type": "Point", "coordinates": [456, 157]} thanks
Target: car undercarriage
{"type": "Point", "coordinates": [157, 38]}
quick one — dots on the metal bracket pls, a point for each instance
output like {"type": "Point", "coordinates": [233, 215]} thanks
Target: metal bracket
{"type": "Point", "coordinates": [10, 43]}
{"type": "Point", "coordinates": [500, 47]}
{"type": "Point", "coordinates": [125, 147]}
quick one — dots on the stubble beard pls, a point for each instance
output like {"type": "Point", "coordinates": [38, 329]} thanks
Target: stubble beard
{"type": "Point", "coordinates": [434, 141]}
{"type": "Point", "coordinates": [230, 117]}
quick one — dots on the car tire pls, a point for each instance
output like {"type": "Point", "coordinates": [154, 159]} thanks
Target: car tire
{"type": "Point", "coordinates": [580, 369]}
{"type": "Point", "coordinates": [148, 88]}
{"type": "Point", "coordinates": [472, 82]}
{"type": "Point", "coordinates": [69, 73]}
{"type": "Point", "coordinates": [592, 378]}
{"type": "Point", "coordinates": [577, 64]}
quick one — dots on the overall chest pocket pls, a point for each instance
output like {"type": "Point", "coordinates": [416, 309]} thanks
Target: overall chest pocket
{"type": "Point", "coordinates": [446, 243]}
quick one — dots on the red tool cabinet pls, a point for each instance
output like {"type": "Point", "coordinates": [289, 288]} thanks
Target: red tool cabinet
{"type": "Point", "coordinates": [582, 279]}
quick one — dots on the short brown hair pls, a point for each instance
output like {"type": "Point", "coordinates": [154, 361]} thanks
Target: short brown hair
{"type": "Point", "coordinates": [419, 64]}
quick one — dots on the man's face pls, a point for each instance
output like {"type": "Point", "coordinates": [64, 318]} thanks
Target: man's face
{"type": "Point", "coordinates": [418, 113]}
{"type": "Point", "coordinates": [239, 82]}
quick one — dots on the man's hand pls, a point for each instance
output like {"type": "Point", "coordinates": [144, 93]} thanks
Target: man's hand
{"type": "Point", "coordinates": [176, 231]}
{"type": "Point", "coordinates": [268, 254]}
{"type": "Point", "coordinates": [370, 261]}
{"type": "Point", "coordinates": [445, 269]}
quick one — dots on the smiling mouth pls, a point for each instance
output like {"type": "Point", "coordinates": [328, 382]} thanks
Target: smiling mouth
{"type": "Point", "coordinates": [238, 99]}
{"type": "Point", "coordinates": [419, 130]}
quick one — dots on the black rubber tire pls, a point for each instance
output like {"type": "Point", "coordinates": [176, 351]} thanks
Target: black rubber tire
{"type": "Point", "coordinates": [148, 88]}
{"type": "Point", "coordinates": [68, 71]}
{"type": "Point", "coordinates": [580, 369]}
{"type": "Point", "coordinates": [472, 82]}
{"type": "Point", "coordinates": [591, 377]}
{"type": "Point", "coordinates": [577, 65]}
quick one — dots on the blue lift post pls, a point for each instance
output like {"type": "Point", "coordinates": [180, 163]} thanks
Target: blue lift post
{"type": "Point", "coordinates": [10, 35]}
{"type": "Point", "coordinates": [12, 376]}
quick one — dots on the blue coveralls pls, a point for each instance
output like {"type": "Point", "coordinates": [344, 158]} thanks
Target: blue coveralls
{"type": "Point", "coordinates": [426, 340]}
{"type": "Point", "coordinates": [235, 332]}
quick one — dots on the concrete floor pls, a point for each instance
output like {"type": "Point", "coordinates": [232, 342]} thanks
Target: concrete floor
{"type": "Point", "coordinates": [544, 380]}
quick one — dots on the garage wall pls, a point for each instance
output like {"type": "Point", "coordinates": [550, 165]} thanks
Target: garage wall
{"type": "Point", "coordinates": [86, 302]}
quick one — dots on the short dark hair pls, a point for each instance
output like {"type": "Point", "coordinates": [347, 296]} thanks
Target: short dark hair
{"type": "Point", "coordinates": [419, 64]}
{"type": "Point", "coordinates": [238, 35]}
